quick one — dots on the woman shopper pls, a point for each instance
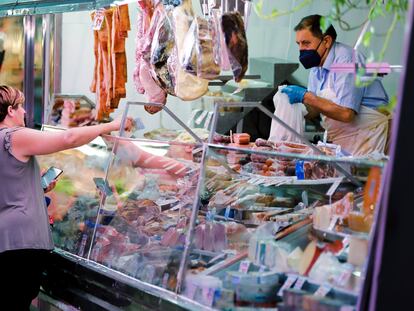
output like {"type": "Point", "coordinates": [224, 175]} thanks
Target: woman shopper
{"type": "Point", "coordinates": [25, 236]}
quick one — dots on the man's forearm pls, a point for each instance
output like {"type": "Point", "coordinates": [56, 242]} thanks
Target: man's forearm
{"type": "Point", "coordinates": [328, 108]}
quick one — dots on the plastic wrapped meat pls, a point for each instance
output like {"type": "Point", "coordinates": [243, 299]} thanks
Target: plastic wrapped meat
{"type": "Point", "coordinates": [219, 234]}
{"type": "Point", "coordinates": [208, 242]}
{"type": "Point", "coordinates": [207, 66]}
{"type": "Point", "coordinates": [144, 82]}
{"type": "Point", "coordinates": [199, 237]}
{"type": "Point", "coordinates": [236, 41]}
{"type": "Point", "coordinates": [322, 170]}
{"type": "Point", "coordinates": [132, 210]}
{"type": "Point", "coordinates": [144, 15]}
{"type": "Point", "coordinates": [162, 46]}
{"type": "Point", "coordinates": [221, 54]}
{"type": "Point", "coordinates": [189, 55]}
{"type": "Point", "coordinates": [187, 86]}
{"type": "Point", "coordinates": [260, 142]}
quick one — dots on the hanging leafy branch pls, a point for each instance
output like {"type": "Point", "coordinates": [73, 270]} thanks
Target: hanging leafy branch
{"type": "Point", "coordinates": [258, 8]}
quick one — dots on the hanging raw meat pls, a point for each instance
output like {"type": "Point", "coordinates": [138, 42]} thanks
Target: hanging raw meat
{"type": "Point", "coordinates": [235, 36]}
{"type": "Point", "coordinates": [144, 15]}
{"type": "Point", "coordinates": [144, 81]}
{"type": "Point", "coordinates": [207, 67]}
{"type": "Point", "coordinates": [187, 86]}
{"type": "Point", "coordinates": [110, 71]}
{"type": "Point", "coordinates": [161, 49]}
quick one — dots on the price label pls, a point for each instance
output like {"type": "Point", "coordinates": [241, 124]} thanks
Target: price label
{"type": "Point", "coordinates": [98, 20]}
{"type": "Point", "coordinates": [323, 290]}
{"type": "Point", "coordinates": [208, 296]}
{"type": "Point", "coordinates": [244, 266]}
{"type": "Point", "coordinates": [227, 212]}
{"type": "Point", "coordinates": [299, 283]}
{"type": "Point", "coordinates": [192, 116]}
{"type": "Point", "coordinates": [288, 284]}
{"type": "Point", "coordinates": [333, 222]}
{"type": "Point", "coordinates": [262, 269]}
{"type": "Point", "coordinates": [202, 116]}
{"type": "Point", "coordinates": [344, 277]}
{"type": "Point", "coordinates": [192, 288]}
{"type": "Point", "coordinates": [334, 186]}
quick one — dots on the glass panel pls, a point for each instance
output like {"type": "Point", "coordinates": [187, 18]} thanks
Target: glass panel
{"type": "Point", "coordinates": [149, 193]}
{"type": "Point", "coordinates": [279, 224]}
{"type": "Point", "coordinates": [12, 52]}
{"type": "Point", "coordinates": [75, 200]}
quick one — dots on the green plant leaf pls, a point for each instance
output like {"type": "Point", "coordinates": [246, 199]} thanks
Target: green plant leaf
{"type": "Point", "coordinates": [366, 40]}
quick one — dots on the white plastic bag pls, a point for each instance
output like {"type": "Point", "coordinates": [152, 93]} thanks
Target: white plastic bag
{"type": "Point", "coordinates": [288, 113]}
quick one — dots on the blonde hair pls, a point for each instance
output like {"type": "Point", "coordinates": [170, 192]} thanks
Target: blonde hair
{"type": "Point", "coordinates": [9, 96]}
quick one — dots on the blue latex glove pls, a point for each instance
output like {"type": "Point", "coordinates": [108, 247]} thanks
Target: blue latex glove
{"type": "Point", "coordinates": [295, 93]}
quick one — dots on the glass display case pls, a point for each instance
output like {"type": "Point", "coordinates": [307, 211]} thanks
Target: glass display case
{"type": "Point", "coordinates": [279, 224]}
{"type": "Point", "coordinates": [222, 223]}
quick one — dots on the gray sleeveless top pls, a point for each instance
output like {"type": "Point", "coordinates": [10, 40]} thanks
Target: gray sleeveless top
{"type": "Point", "coordinates": [24, 223]}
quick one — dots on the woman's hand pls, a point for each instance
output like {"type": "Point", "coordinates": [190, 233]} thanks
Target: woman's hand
{"type": "Point", "coordinates": [129, 123]}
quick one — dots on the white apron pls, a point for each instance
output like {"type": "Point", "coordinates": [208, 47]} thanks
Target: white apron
{"type": "Point", "coordinates": [367, 133]}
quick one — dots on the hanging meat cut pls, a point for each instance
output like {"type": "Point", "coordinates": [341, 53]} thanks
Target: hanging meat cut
{"type": "Point", "coordinates": [187, 86]}
{"type": "Point", "coordinates": [110, 71]}
{"type": "Point", "coordinates": [236, 41]}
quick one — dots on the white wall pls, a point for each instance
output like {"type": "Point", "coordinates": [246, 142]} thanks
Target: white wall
{"type": "Point", "coordinates": [271, 38]}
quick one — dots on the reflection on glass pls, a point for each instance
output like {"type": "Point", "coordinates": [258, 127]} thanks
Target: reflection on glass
{"type": "Point", "coordinates": [11, 35]}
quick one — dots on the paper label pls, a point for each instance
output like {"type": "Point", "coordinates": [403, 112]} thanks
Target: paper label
{"type": "Point", "coordinates": [208, 121]}
{"type": "Point", "coordinates": [299, 283]}
{"type": "Point", "coordinates": [201, 117]}
{"type": "Point", "coordinates": [334, 220]}
{"type": "Point", "coordinates": [208, 296]}
{"type": "Point", "coordinates": [262, 269]}
{"type": "Point", "coordinates": [343, 278]}
{"type": "Point", "coordinates": [333, 188]}
{"type": "Point", "coordinates": [227, 212]}
{"type": "Point", "coordinates": [98, 20]}
{"type": "Point", "coordinates": [288, 283]}
{"type": "Point", "coordinates": [244, 266]}
{"type": "Point", "coordinates": [323, 290]}
{"type": "Point", "coordinates": [192, 288]}
{"type": "Point", "coordinates": [192, 116]}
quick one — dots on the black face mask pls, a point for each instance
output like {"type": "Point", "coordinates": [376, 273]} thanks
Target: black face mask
{"type": "Point", "coordinates": [310, 58]}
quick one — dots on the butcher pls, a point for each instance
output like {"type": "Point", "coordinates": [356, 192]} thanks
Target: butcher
{"type": "Point", "coordinates": [349, 113]}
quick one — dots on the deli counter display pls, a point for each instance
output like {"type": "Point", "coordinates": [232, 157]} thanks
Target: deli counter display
{"type": "Point", "coordinates": [219, 223]}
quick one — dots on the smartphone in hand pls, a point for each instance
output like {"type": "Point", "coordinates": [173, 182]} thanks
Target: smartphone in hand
{"type": "Point", "coordinates": [51, 174]}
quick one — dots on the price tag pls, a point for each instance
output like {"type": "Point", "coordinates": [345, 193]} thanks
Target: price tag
{"type": "Point", "coordinates": [227, 212]}
{"type": "Point", "coordinates": [192, 116]}
{"type": "Point", "coordinates": [333, 222]}
{"type": "Point", "coordinates": [334, 186]}
{"type": "Point", "coordinates": [201, 117]}
{"type": "Point", "coordinates": [208, 296]}
{"type": "Point", "coordinates": [344, 277]}
{"type": "Point", "coordinates": [98, 20]}
{"type": "Point", "coordinates": [288, 283]}
{"type": "Point", "coordinates": [165, 278]}
{"type": "Point", "coordinates": [209, 119]}
{"type": "Point", "coordinates": [305, 199]}
{"type": "Point", "coordinates": [192, 288]}
{"type": "Point", "coordinates": [244, 266]}
{"type": "Point", "coordinates": [299, 283]}
{"type": "Point", "coordinates": [262, 269]}
{"type": "Point", "coordinates": [323, 290]}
